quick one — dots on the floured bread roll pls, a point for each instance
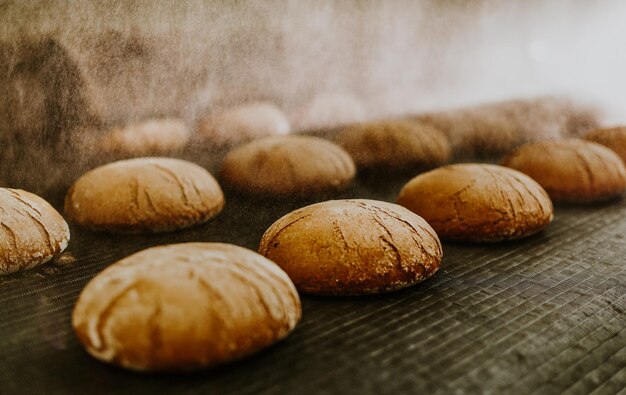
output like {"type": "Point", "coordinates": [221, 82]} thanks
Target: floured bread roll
{"type": "Point", "coordinates": [243, 123]}
{"type": "Point", "coordinates": [31, 231]}
{"type": "Point", "coordinates": [153, 136]}
{"type": "Point", "coordinates": [613, 138]}
{"type": "Point", "coordinates": [288, 166]}
{"type": "Point", "coordinates": [478, 202]}
{"type": "Point", "coordinates": [184, 307]}
{"type": "Point", "coordinates": [144, 195]}
{"type": "Point", "coordinates": [395, 145]}
{"type": "Point", "coordinates": [572, 170]}
{"type": "Point", "coordinates": [353, 247]}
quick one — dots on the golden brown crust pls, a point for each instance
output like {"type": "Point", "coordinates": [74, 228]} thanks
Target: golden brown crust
{"type": "Point", "coordinates": [31, 231]}
{"type": "Point", "coordinates": [353, 247]}
{"type": "Point", "coordinates": [152, 136]}
{"type": "Point", "coordinates": [395, 145]}
{"type": "Point", "coordinates": [144, 195]}
{"type": "Point", "coordinates": [184, 307]}
{"type": "Point", "coordinates": [478, 202]}
{"type": "Point", "coordinates": [246, 122]}
{"type": "Point", "coordinates": [613, 138]}
{"type": "Point", "coordinates": [572, 170]}
{"type": "Point", "coordinates": [288, 165]}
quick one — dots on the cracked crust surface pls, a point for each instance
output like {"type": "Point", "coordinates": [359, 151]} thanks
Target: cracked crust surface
{"type": "Point", "coordinates": [353, 247]}
{"type": "Point", "coordinates": [288, 165]}
{"type": "Point", "coordinates": [31, 231]}
{"type": "Point", "coordinates": [478, 202]}
{"type": "Point", "coordinates": [144, 195]}
{"type": "Point", "coordinates": [395, 145]}
{"type": "Point", "coordinates": [571, 170]}
{"type": "Point", "coordinates": [185, 306]}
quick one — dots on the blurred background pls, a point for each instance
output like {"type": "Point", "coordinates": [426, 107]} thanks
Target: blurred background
{"type": "Point", "coordinates": [76, 65]}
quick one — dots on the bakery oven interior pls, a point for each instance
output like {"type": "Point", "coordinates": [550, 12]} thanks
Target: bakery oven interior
{"type": "Point", "coordinates": [545, 314]}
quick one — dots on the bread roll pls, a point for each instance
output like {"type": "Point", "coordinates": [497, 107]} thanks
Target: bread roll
{"type": "Point", "coordinates": [153, 136]}
{"type": "Point", "coordinates": [243, 123]}
{"type": "Point", "coordinates": [613, 138]}
{"type": "Point", "coordinates": [353, 247]}
{"type": "Point", "coordinates": [395, 145]}
{"type": "Point", "coordinates": [288, 166]}
{"type": "Point", "coordinates": [184, 307]}
{"type": "Point", "coordinates": [572, 170]}
{"type": "Point", "coordinates": [478, 202]}
{"type": "Point", "coordinates": [31, 231]}
{"type": "Point", "coordinates": [144, 195]}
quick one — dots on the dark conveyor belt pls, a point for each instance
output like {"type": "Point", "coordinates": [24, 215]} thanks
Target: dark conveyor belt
{"type": "Point", "coordinates": [542, 315]}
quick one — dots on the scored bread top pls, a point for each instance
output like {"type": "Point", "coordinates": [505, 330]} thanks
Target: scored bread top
{"type": "Point", "coordinates": [571, 170]}
{"type": "Point", "coordinates": [185, 306]}
{"type": "Point", "coordinates": [144, 194]}
{"type": "Point", "coordinates": [32, 231]}
{"type": "Point", "coordinates": [478, 202]}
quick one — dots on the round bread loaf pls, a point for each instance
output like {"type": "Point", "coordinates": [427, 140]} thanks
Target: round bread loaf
{"type": "Point", "coordinates": [31, 231]}
{"type": "Point", "coordinates": [243, 123]}
{"type": "Point", "coordinates": [613, 138]}
{"type": "Point", "coordinates": [353, 247]}
{"type": "Point", "coordinates": [475, 134]}
{"type": "Point", "coordinates": [478, 202]}
{"type": "Point", "coordinates": [395, 145]}
{"type": "Point", "coordinates": [184, 307]}
{"type": "Point", "coordinates": [572, 170]}
{"type": "Point", "coordinates": [144, 195]}
{"type": "Point", "coordinates": [147, 137]}
{"type": "Point", "coordinates": [288, 165]}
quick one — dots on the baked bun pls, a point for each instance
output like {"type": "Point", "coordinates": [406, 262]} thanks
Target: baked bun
{"type": "Point", "coordinates": [478, 202]}
{"type": "Point", "coordinates": [243, 123]}
{"type": "Point", "coordinates": [612, 138]}
{"type": "Point", "coordinates": [288, 166]}
{"type": "Point", "coordinates": [395, 145]}
{"type": "Point", "coordinates": [31, 231]}
{"type": "Point", "coordinates": [144, 195]}
{"type": "Point", "coordinates": [152, 136]}
{"type": "Point", "coordinates": [353, 247]}
{"type": "Point", "coordinates": [572, 170]}
{"type": "Point", "coordinates": [184, 307]}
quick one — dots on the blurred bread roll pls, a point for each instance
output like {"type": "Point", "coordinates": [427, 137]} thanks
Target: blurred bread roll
{"type": "Point", "coordinates": [288, 166]}
{"type": "Point", "coordinates": [613, 138]}
{"type": "Point", "coordinates": [31, 231]}
{"type": "Point", "coordinates": [478, 202]}
{"type": "Point", "coordinates": [243, 123]}
{"type": "Point", "coordinates": [395, 145]}
{"type": "Point", "coordinates": [571, 170]}
{"type": "Point", "coordinates": [144, 195]}
{"type": "Point", "coordinates": [328, 110]}
{"type": "Point", "coordinates": [153, 136]}
{"type": "Point", "coordinates": [185, 307]}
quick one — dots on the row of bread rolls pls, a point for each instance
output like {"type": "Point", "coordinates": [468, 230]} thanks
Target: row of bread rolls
{"type": "Point", "coordinates": [474, 132]}
{"type": "Point", "coordinates": [132, 314]}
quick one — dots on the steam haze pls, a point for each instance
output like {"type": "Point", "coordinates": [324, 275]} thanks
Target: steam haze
{"type": "Point", "coordinates": [397, 56]}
